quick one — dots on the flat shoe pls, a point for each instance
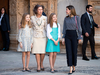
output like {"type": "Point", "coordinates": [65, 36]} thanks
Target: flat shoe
{"type": "Point", "coordinates": [42, 69]}
{"type": "Point", "coordinates": [38, 70]}
{"type": "Point", "coordinates": [51, 71]}
{"type": "Point", "coordinates": [55, 71]}
{"type": "Point", "coordinates": [28, 70]}
{"type": "Point", "coordinates": [23, 70]}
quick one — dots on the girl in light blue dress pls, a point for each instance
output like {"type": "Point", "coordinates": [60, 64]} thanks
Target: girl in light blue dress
{"type": "Point", "coordinates": [53, 34]}
{"type": "Point", "coordinates": [25, 40]}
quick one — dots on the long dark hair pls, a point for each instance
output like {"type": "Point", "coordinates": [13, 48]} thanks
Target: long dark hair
{"type": "Point", "coordinates": [4, 10]}
{"type": "Point", "coordinates": [72, 9]}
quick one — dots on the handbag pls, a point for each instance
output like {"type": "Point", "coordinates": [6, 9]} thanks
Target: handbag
{"type": "Point", "coordinates": [76, 26]}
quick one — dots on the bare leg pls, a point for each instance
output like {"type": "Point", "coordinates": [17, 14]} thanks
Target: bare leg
{"type": "Point", "coordinates": [28, 59]}
{"type": "Point", "coordinates": [54, 58]}
{"type": "Point", "coordinates": [42, 58]}
{"type": "Point", "coordinates": [51, 60]}
{"type": "Point", "coordinates": [38, 61]}
{"type": "Point", "coordinates": [23, 59]}
{"type": "Point", "coordinates": [70, 69]}
{"type": "Point", "coordinates": [73, 68]}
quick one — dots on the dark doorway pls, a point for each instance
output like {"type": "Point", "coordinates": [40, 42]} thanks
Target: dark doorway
{"type": "Point", "coordinates": [3, 3]}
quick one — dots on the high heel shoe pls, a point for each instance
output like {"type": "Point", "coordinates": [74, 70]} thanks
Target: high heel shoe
{"type": "Point", "coordinates": [69, 73]}
{"type": "Point", "coordinates": [73, 71]}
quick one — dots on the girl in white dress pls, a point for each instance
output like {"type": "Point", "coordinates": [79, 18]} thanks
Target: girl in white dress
{"type": "Point", "coordinates": [25, 40]}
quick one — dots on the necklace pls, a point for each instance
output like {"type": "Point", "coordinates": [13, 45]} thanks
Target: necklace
{"type": "Point", "coordinates": [39, 24]}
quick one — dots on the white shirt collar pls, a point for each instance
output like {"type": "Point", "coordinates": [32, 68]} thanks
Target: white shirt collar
{"type": "Point", "coordinates": [88, 13]}
{"type": "Point", "coordinates": [2, 15]}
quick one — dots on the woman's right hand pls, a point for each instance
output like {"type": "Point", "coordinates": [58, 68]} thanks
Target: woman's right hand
{"type": "Point", "coordinates": [19, 26]}
{"type": "Point", "coordinates": [56, 42]}
{"type": "Point", "coordinates": [21, 45]}
{"type": "Point", "coordinates": [63, 41]}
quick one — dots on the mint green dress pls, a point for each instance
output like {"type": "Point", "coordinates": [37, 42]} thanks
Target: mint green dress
{"type": "Point", "coordinates": [51, 47]}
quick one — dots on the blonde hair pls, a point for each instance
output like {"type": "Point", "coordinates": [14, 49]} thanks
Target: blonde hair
{"type": "Point", "coordinates": [23, 21]}
{"type": "Point", "coordinates": [51, 20]}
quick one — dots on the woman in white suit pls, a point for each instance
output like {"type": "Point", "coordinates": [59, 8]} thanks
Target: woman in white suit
{"type": "Point", "coordinates": [39, 23]}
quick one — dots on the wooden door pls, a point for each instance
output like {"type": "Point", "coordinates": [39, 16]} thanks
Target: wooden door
{"type": "Point", "coordinates": [5, 4]}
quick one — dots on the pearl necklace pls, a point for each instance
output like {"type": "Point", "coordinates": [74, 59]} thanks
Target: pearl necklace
{"type": "Point", "coordinates": [39, 24]}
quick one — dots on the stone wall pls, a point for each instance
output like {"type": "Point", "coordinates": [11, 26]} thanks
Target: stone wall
{"type": "Point", "coordinates": [96, 15]}
{"type": "Point", "coordinates": [13, 23]}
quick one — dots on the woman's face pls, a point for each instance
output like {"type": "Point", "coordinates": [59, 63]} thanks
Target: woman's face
{"type": "Point", "coordinates": [39, 11]}
{"type": "Point", "coordinates": [2, 11]}
{"type": "Point", "coordinates": [68, 11]}
{"type": "Point", "coordinates": [28, 18]}
{"type": "Point", "coordinates": [54, 18]}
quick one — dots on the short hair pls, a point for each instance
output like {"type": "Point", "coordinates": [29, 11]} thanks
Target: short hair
{"type": "Point", "coordinates": [36, 7]}
{"type": "Point", "coordinates": [42, 6]}
{"type": "Point", "coordinates": [88, 6]}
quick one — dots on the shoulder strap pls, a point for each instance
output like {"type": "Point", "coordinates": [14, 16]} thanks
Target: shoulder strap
{"type": "Point", "coordinates": [76, 22]}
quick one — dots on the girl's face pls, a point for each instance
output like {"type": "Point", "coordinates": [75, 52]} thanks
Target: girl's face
{"type": "Point", "coordinates": [54, 18]}
{"type": "Point", "coordinates": [28, 18]}
{"type": "Point", "coordinates": [2, 11]}
{"type": "Point", "coordinates": [68, 12]}
{"type": "Point", "coordinates": [40, 11]}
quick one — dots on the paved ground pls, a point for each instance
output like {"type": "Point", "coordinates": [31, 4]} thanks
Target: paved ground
{"type": "Point", "coordinates": [11, 64]}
